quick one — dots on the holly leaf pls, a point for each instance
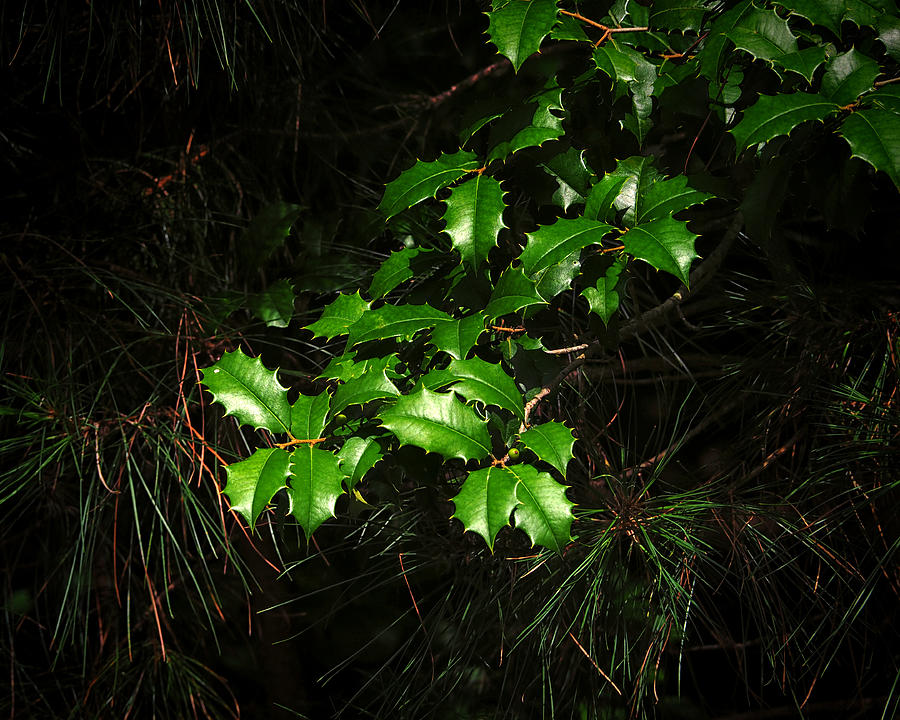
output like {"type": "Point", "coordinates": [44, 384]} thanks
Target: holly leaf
{"type": "Point", "coordinates": [600, 202]}
{"type": "Point", "coordinates": [512, 292]}
{"type": "Point", "coordinates": [316, 482]}
{"type": "Point", "coordinates": [572, 176]}
{"type": "Point", "coordinates": [568, 28]}
{"type": "Point", "coordinates": [358, 455]}
{"type": "Point", "coordinates": [458, 337]}
{"type": "Point", "coordinates": [848, 76]}
{"type": "Point", "coordinates": [486, 382]}
{"type": "Point", "coordinates": [874, 136]}
{"type": "Point", "coordinates": [666, 244]}
{"type": "Point", "coordinates": [715, 48]}
{"type": "Point", "coordinates": [554, 279]}
{"type": "Point", "coordinates": [886, 98]}
{"type": "Point", "coordinates": [604, 298]}
{"type": "Point", "coordinates": [249, 392]}
{"type": "Point", "coordinates": [544, 512]}
{"type": "Point", "coordinates": [803, 62]}
{"type": "Point", "coordinates": [423, 180]}
{"type": "Point", "coordinates": [550, 244]}
{"type": "Point", "coordinates": [438, 422]}
{"type": "Point", "coordinates": [545, 125]}
{"type": "Point", "coordinates": [827, 13]}
{"type": "Point", "coordinates": [275, 305]}
{"type": "Point", "coordinates": [869, 12]}
{"type": "Point", "coordinates": [400, 321]}
{"type": "Point", "coordinates": [664, 198]}
{"type": "Point", "coordinates": [252, 483]}
{"type": "Point", "coordinates": [338, 316]}
{"type": "Point", "coordinates": [552, 442]}
{"type": "Point", "coordinates": [774, 115]}
{"type": "Point", "coordinates": [474, 217]}
{"type": "Point", "coordinates": [358, 391]}
{"type": "Point", "coordinates": [267, 232]}
{"type": "Point", "coordinates": [764, 35]}
{"type": "Point", "coordinates": [308, 414]}
{"type": "Point", "coordinates": [485, 502]}
{"type": "Point", "coordinates": [396, 270]}
{"type": "Point", "coordinates": [345, 368]}
{"type": "Point", "coordinates": [677, 14]}
{"type": "Point", "coordinates": [628, 69]}
{"type": "Point", "coordinates": [640, 175]}
{"type": "Point", "coordinates": [518, 28]}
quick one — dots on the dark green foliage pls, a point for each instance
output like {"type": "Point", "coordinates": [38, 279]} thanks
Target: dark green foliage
{"type": "Point", "coordinates": [496, 467]}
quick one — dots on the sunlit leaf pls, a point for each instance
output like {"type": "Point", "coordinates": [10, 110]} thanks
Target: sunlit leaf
{"type": "Point", "coordinates": [485, 502]}
{"type": "Point", "coordinates": [423, 180]}
{"type": "Point", "coordinates": [308, 416]}
{"type": "Point", "coordinates": [316, 482]}
{"type": "Point", "coordinates": [400, 321]}
{"type": "Point", "coordinates": [603, 299]}
{"type": "Point", "coordinates": [358, 455]}
{"type": "Point", "coordinates": [774, 115]}
{"type": "Point", "coordinates": [252, 483]}
{"type": "Point", "coordinates": [544, 512]}
{"type": "Point", "coordinates": [848, 76]}
{"type": "Point", "coordinates": [474, 217]}
{"type": "Point", "coordinates": [438, 422]}
{"type": "Point", "coordinates": [358, 391]}
{"type": "Point", "coordinates": [874, 136]}
{"type": "Point", "coordinates": [512, 292]}
{"type": "Point", "coordinates": [518, 28]}
{"type": "Point", "coordinates": [552, 442]}
{"type": "Point", "coordinates": [249, 392]}
{"type": "Point", "coordinates": [550, 244]}
{"type": "Point", "coordinates": [458, 337]}
{"type": "Point", "coordinates": [337, 317]}
{"type": "Point", "coordinates": [666, 244]}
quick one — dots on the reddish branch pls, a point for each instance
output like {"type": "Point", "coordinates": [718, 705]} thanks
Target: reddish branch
{"type": "Point", "coordinates": [607, 31]}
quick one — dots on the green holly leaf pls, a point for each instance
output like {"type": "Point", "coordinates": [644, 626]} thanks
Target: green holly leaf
{"type": "Point", "coordinates": [474, 217]}
{"type": "Point", "coordinates": [888, 28]}
{"type": "Point", "coordinates": [717, 45]}
{"type": "Point", "coordinates": [572, 176]}
{"type": "Point", "coordinates": [400, 321]}
{"type": "Point", "coordinates": [552, 442]}
{"type": "Point", "coordinates": [486, 382]}
{"type": "Point", "coordinates": [869, 12]}
{"type": "Point", "coordinates": [554, 279]}
{"type": "Point", "coordinates": [544, 512]}
{"type": "Point", "coordinates": [666, 244]}
{"type": "Point", "coordinates": [628, 69]}
{"type": "Point", "coordinates": [249, 392]}
{"type": "Point", "coordinates": [764, 35]}
{"type": "Point", "coordinates": [358, 391]}
{"type": "Point", "coordinates": [886, 98]}
{"type": "Point", "coordinates": [604, 298]}
{"type": "Point", "coordinates": [343, 367]}
{"type": "Point", "coordinates": [438, 422]}
{"type": "Point", "coordinates": [550, 244]}
{"type": "Point", "coordinates": [827, 13]}
{"type": "Point", "coordinates": [544, 125]}
{"type": "Point", "coordinates": [252, 483]}
{"type": "Point", "coordinates": [458, 337]}
{"type": "Point", "coordinates": [338, 316]}
{"type": "Point", "coordinates": [358, 455]}
{"type": "Point", "coordinates": [275, 305]}
{"type": "Point", "coordinates": [803, 62]}
{"type": "Point", "coordinates": [774, 115]}
{"type": "Point", "coordinates": [664, 198]}
{"type": "Point", "coordinates": [638, 122]}
{"type": "Point", "coordinates": [485, 502]}
{"type": "Point", "coordinates": [677, 14]}
{"type": "Point", "coordinates": [600, 204]}
{"type": "Point", "coordinates": [848, 76]}
{"type": "Point", "coordinates": [397, 269]}
{"type": "Point", "coordinates": [316, 482]}
{"type": "Point", "coordinates": [267, 232]}
{"type": "Point", "coordinates": [874, 136]}
{"type": "Point", "coordinates": [423, 180]}
{"type": "Point", "coordinates": [639, 176]}
{"type": "Point", "coordinates": [512, 292]}
{"type": "Point", "coordinates": [308, 414]}
{"type": "Point", "coordinates": [518, 28]}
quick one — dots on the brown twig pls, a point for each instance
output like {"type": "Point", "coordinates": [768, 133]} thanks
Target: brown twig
{"type": "Point", "coordinates": [607, 31]}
